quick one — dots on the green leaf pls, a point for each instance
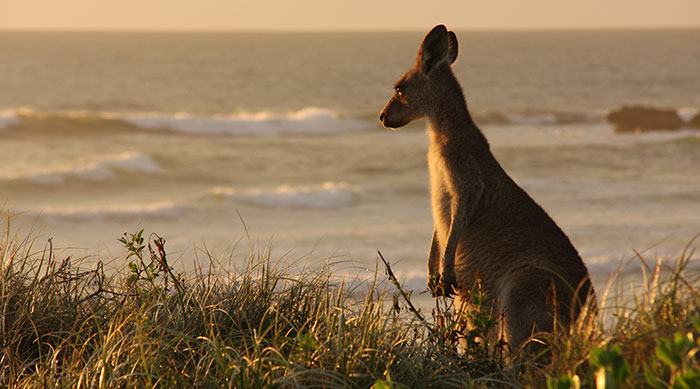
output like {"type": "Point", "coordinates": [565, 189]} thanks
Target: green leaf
{"type": "Point", "coordinates": [381, 384]}
{"type": "Point", "coordinates": [615, 366]}
{"type": "Point", "coordinates": [653, 380]}
{"type": "Point", "coordinates": [688, 380]}
{"type": "Point", "coordinates": [664, 352]}
{"type": "Point", "coordinates": [672, 352]}
{"type": "Point", "coordinates": [562, 382]}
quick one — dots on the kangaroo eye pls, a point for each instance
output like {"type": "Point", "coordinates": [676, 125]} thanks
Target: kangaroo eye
{"type": "Point", "coordinates": [399, 90]}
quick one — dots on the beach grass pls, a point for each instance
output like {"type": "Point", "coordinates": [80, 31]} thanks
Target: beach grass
{"type": "Point", "coordinates": [68, 322]}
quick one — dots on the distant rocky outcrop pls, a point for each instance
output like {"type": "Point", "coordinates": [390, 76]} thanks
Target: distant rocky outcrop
{"type": "Point", "coordinates": [639, 118]}
{"type": "Point", "coordinates": [694, 122]}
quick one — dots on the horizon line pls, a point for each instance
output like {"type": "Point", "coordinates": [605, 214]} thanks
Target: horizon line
{"type": "Point", "coordinates": [343, 30]}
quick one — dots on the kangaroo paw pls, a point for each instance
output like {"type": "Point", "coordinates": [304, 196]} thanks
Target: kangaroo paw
{"type": "Point", "coordinates": [448, 283]}
{"type": "Point", "coordinates": [434, 285]}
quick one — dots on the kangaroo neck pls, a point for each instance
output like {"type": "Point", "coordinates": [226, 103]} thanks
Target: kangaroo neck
{"type": "Point", "coordinates": [450, 119]}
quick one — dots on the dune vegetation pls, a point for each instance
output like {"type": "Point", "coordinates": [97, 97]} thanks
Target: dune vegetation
{"type": "Point", "coordinates": [68, 322]}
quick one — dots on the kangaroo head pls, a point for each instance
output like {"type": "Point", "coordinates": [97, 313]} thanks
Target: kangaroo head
{"type": "Point", "coordinates": [415, 91]}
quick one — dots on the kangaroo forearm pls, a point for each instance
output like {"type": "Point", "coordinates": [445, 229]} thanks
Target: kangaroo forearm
{"type": "Point", "coordinates": [434, 256]}
{"type": "Point", "coordinates": [451, 247]}
{"type": "Point", "coordinates": [463, 210]}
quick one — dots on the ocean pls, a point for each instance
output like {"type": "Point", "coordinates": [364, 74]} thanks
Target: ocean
{"type": "Point", "coordinates": [220, 142]}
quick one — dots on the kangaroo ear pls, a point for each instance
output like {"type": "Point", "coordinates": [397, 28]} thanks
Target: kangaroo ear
{"type": "Point", "coordinates": [433, 50]}
{"type": "Point", "coordinates": [453, 47]}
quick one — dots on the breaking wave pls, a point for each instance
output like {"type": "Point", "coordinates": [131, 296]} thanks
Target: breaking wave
{"type": "Point", "coordinates": [8, 117]}
{"type": "Point", "coordinates": [306, 121]}
{"type": "Point", "coordinates": [537, 117]}
{"type": "Point", "coordinates": [95, 170]}
{"type": "Point", "coordinates": [312, 120]}
{"type": "Point", "coordinates": [166, 209]}
{"type": "Point", "coordinates": [326, 195]}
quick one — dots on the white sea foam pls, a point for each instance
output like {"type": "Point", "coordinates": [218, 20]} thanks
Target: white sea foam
{"type": "Point", "coordinates": [577, 135]}
{"type": "Point", "coordinates": [545, 118]}
{"type": "Point", "coordinates": [687, 113]}
{"type": "Point", "coordinates": [311, 120]}
{"type": "Point", "coordinates": [413, 280]}
{"type": "Point", "coordinates": [306, 121]}
{"type": "Point", "coordinates": [610, 265]}
{"type": "Point", "coordinates": [327, 195]}
{"type": "Point", "coordinates": [123, 211]}
{"type": "Point", "coordinates": [8, 117]}
{"type": "Point", "coordinates": [91, 170]}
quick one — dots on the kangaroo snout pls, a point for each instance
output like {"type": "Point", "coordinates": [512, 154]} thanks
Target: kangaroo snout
{"type": "Point", "coordinates": [383, 117]}
{"type": "Point", "coordinates": [386, 123]}
{"type": "Point", "coordinates": [393, 115]}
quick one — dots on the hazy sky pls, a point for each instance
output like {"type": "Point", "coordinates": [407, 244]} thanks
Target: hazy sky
{"type": "Point", "coordinates": [344, 15]}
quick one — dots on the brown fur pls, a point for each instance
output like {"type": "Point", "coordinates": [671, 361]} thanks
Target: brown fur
{"type": "Point", "coordinates": [484, 222]}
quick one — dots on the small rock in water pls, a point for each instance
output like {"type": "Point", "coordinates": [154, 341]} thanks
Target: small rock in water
{"type": "Point", "coordinates": [639, 118]}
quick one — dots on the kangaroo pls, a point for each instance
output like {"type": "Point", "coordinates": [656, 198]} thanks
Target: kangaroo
{"type": "Point", "coordinates": [485, 225]}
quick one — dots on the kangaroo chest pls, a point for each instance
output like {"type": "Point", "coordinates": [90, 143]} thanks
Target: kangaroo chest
{"type": "Point", "coordinates": [440, 193]}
